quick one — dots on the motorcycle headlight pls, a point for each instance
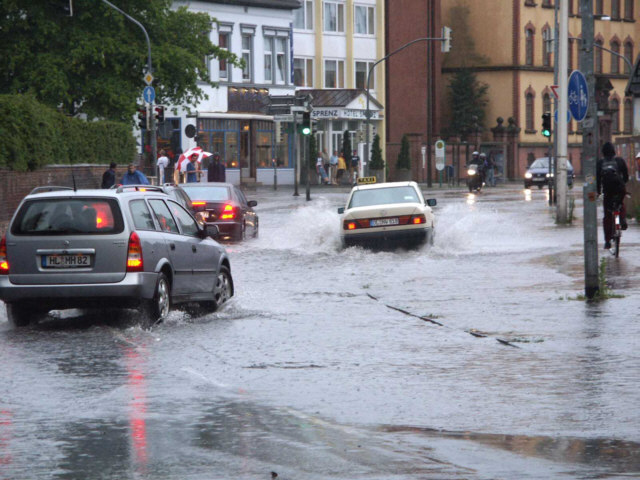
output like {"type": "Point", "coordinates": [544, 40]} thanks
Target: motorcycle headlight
{"type": "Point", "coordinates": [528, 175]}
{"type": "Point", "coordinates": [550, 175]}
{"type": "Point", "coordinates": [471, 171]}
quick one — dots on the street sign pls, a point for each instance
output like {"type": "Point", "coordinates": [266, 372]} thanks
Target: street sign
{"type": "Point", "coordinates": [554, 89]}
{"type": "Point", "coordinates": [283, 118]}
{"type": "Point", "coordinates": [148, 79]}
{"type": "Point", "coordinates": [440, 154]}
{"type": "Point", "coordinates": [578, 95]}
{"type": "Point", "coordinates": [149, 94]}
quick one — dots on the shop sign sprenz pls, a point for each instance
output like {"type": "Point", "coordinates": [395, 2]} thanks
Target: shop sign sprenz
{"type": "Point", "coordinates": [320, 113]}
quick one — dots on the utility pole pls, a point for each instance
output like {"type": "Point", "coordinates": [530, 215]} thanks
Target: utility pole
{"type": "Point", "coordinates": [561, 122]}
{"type": "Point", "coordinates": [589, 155]}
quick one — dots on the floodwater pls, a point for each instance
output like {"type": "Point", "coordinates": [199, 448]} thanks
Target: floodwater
{"type": "Point", "coordinates": [473, 359]}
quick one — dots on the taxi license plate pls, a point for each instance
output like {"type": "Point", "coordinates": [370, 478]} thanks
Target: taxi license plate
{"type": "Point", "coordinates": [66, 261]}
{"type": "Point", "coordinates": [383, 222]}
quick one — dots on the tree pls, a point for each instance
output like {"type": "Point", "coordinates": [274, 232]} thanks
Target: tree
{"type": "Point", "coordinates": [93, 62]}
{"type": "Point", "coordinates": [376, 163]}
{"type": "Point", "coordinates": [346, 147]}
{"type": "Point", "coordinates": [467, 99]}
{"type": "Point", "coordinates": [404, 157]}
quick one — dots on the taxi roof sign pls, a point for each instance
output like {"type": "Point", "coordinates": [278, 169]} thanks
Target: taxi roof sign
{"type": "Point", "coordinates": [366, 180]}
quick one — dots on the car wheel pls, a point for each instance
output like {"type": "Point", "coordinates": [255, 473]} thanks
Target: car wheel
{"type": "Point", "coordinates": [223, 288]}
{"type": "Point", "coordinates": [159, 306]}
{"type": "Point", "coordinates": [19, 315]}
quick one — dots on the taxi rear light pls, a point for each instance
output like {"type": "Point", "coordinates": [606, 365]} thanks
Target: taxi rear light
{"type": "Point", "coordinates": [418, 219]}
{"type": "Point", "coordinates": [135, 262]}
{"type": "Point", "coordinates": [4, 263]}
{"type": "Point", "coordinates": [228, 213]}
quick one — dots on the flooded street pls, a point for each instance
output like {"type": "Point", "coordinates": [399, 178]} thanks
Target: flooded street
{"type": "Point", "coordinates": [472, 359]}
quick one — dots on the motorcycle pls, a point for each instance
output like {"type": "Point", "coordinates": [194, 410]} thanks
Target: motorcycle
{"type": "Point", "coordinates": [474, 178]}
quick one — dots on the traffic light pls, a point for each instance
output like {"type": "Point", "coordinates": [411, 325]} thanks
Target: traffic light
{"type": "Point", "coordinates": [305, 128]}
{"type": "Point", "coordinates": [446, 39]}
{"type": "Point", "coordinates": [142, 118]}
{"type": "Point", "coordinates": [159, 113]}
{"type": "Point", "coordinates": [546, 124]}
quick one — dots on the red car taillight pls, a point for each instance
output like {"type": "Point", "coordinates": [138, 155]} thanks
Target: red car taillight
{"type": "Point", "coordinates": [4, 263]}
{"type": "Point", "coordinates": [134, 254]}
{"type": "Point", "coordinates": [228, 213]}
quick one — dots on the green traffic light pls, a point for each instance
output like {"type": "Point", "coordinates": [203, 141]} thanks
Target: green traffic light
{"type": "Point", "coordinates": [546, 133]}
{"type": "Point", "coordinates": [306, 131]}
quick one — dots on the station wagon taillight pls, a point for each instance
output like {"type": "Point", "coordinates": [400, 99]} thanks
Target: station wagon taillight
{"type": "Point", "coordinates": [4, 263]}
{"type": "Point", "coordinates": [228, 213]}
{"type": "Point", "coordinates": [134, 254]}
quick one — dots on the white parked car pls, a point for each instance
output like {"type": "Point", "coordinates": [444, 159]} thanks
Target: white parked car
{"type": "Point", "coordinates": [387, 215]}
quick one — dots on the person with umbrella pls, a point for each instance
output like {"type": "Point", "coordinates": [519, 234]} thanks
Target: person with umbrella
{"type": "Point", "coordinates": [192, 169]}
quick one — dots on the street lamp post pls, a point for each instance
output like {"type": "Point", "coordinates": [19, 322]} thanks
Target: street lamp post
{"type": "Point", "coordinates": [368, 113]}
{"type": "Point", "coordinates": [152, 118]}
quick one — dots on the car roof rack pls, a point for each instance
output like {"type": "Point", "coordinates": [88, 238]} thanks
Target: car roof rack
{"type": "Point", "coordinates": [48, 188]}
{"type": "Point", "coordinates": [139, 188]}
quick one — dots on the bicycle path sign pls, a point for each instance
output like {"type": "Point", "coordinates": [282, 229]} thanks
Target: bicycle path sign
{"type": "Point", "coordinates": [578, 95]}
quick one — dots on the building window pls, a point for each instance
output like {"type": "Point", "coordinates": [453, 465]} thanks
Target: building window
{"type": "Point", "coordinates": [303, 72]}
{"type": "Point", "coordinates": [247, 56]}
{"type": "Point", "coordinates": [303, 19]}
{"type": "Point", "coordinates": [615, 59]}
{"type": "Point", "coordinates": [570, 54]}
{"type": "Point", "coordinates": [615, 115]}
{"type": "Point", "coordinates": [224, 42]}
{"type": "Point", "coordinates": [628, 9]}
{"type": "Point", "coordinates": [615, 9]}
{"type": "Point", "coordinates": [570, 5]}
{"type": "Point", "coordinates": [333, 17]}
{"type": "Point", "coordinates": [334, 74]}
{"type": "Point", "coordinates": [365, 20]}
{"type": "Point", "coordinates": [599, 9]}
{"type": "Point", "coordinates": [268, 59]}
{"type": "Point", "coordinates": [529, 112]}
{"type": "Point", "coordinates": [529, 46]}
{"type": "Point", "coordinates": [546, 3]}
{"type": "Point", "coordinates": [598, 56]}
{"type": "Point", "coordinates": [628, 116]}
{"type": "Point", "coordinates": [362, 70]}
{"type": "Point", "coordinates": [546, 103]}
{"type": "Point", "coordinates": [547, 46]}
{"type": "Point", "coordinates": [628, 54]}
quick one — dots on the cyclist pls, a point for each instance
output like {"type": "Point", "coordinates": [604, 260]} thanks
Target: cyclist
{"type": "Point", "coordinates": [612, 175]}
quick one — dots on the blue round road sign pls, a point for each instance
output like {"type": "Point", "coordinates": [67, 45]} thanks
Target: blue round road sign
{"type": "Point", "coordinates": [578, 95]}
{"type": "Point", "coordinates": [149, 94]}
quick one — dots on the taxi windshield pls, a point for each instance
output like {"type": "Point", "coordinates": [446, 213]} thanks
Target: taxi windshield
{"type": "Point", "coordinates": [384, 196]}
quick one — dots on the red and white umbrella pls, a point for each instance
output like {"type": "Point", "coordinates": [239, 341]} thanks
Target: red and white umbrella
{"type": "Point", "coordinates": [182, 165]}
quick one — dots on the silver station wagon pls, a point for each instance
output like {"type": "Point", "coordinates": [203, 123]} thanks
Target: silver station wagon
{"type": "Point", "coordinates": [130, 247]}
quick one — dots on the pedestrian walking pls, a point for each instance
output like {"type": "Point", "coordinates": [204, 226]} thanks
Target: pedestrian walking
{"type": "Point", "coordinates": [325, 161]}
{"type": "Point", "coordinates": [134, 177]}
{"type": "Point", "coordinates": [333, 167]}
{"type": "Point", "coordinates": [109, 176]}
{"type": "Point", "coordinates": [162, 163]}
{"type": "Point", "coordinates": [355, 167]}
{"type": "Point", "coordinates": [342, 168]}
{"type": "Point", "coordinates": [322, 174]}
{"type": "Point", "coordinates": [489, 166]}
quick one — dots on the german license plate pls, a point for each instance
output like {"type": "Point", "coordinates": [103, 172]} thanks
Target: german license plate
{"type": "Point", "coordinates": [66, 261]}
{"type": "Point", "coordinates": [383, 222]}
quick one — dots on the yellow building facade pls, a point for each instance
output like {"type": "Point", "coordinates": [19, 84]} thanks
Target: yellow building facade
{"type": "Point", "coordinates": [509, 45]}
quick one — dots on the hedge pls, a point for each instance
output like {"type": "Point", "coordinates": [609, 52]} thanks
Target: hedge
{"type": "Point", "coordinates": [33, 135]}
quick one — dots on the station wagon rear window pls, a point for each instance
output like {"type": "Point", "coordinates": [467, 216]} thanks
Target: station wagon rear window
{"type": "Point", "coordinates": [208, 193]}
{"type": "Point", "coordinates": [65, 216]}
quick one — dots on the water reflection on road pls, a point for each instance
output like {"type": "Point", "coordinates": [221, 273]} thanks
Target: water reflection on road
{"type": "Point", "coordinates": [471, 359]}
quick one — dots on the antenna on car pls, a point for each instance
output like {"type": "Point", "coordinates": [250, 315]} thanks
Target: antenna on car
{"type": "Point", "coordinates": [73, 177]}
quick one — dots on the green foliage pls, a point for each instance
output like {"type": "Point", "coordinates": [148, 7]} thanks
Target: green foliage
{"type": "Point", "coordinates": [93, 62]}
{"type": "Point", "coordinates": [346, 147]}
{"type": "Point", "coordinates": [467, 98]}
{"type": "Point", "coordinates": [33, 135]}
{"type": "Point", "coordinates": [376, 163]}
{"type": "Point", "coordinates": [404, 157]}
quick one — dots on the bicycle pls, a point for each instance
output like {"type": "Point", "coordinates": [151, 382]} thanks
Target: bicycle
{"type": "Point", "coordinates": [616, 234]}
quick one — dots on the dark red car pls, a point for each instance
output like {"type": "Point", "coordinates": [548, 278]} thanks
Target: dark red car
{"type": "Point", "coordinates": [224, 205]}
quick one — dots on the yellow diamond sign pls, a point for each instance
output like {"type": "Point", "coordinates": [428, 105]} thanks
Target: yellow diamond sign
{"type": "Point", "coordinates": [148, 79]}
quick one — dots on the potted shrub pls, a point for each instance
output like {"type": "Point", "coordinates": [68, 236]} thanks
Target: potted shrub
{"type": "Point", "coordinates": [403, 165]}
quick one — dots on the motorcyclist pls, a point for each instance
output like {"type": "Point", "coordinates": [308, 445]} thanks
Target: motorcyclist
{"type": "Point", "coordinates": [475, 164]}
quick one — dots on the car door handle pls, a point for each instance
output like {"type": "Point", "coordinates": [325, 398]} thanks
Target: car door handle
{"type": "Point", "coordinates": [193, 248]}
{"type": "Point", "coordinates": [172, 246]}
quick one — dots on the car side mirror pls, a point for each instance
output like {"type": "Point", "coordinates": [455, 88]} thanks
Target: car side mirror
{"type": "Point", "coordinates": [212, 231]}
{"type": "Point", "coordinates": [432, 202]}
{"type": "Point", "coordinates": [252, 203]}
{"type": "Point", "coordinates": [200, 218]}
{"type": "Point", "coordinates": [341, 210]}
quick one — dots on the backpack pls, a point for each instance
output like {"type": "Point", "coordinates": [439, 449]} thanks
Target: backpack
{"type": "Point", "coordinates": [612, 182]}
